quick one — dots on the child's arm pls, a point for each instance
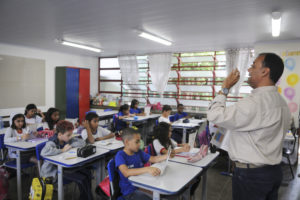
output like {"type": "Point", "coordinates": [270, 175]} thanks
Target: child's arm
{"type": "Point", "coordinates": [42, 115]}
{"type": "Point", "coordinates": [156, 159]}
{"type": "Point", "coordinates": [111, 135]}
{"type": "Point", "coordinates": [77, 142]}
{"type": "Point", "coordinates": [8, 137]}
{"type": "Point", "coordinates": [138, 171]}
{"type": "Point", "coordinates": [90, 137]}
{"type": "Point", "coordinates": [51, 150]}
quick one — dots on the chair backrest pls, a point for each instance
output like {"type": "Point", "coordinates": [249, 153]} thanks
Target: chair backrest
{"type": "Point", "coordinates": [156, 122]}
{"type": "Point", "coordinates": [113, 179]}
{"type": "Point", "coordinates": [172, 118]}
{"type": "Point", "coordinates": [151, 150]}
{"type": "Point", "coordinates": [2, 146]}
{"type": "Point", "coordinates": [108, 109]}
{"type": "Point", "coordinates": [38, 149]}
{"type": "Point", "coordinates": [115, 121]}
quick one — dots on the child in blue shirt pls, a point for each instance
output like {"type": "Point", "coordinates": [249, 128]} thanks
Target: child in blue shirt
{"type": "Point", "coordinates": [123, 113]}
{"type": "Point", "coordinates": [130, 162]}
{"type": "Point", "coordinates": [134, 108]}
{"type": "Point", "coordinates": [180, 114]}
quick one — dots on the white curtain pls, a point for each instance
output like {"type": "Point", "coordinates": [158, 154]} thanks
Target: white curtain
{"type": "Point", "coordinates": [129, 70]}
{"type": "Point", "coordinates": [160, 67]}
{"type": "Point", "coordinates": [240, 59]}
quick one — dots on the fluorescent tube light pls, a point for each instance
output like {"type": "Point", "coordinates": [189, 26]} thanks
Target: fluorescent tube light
{"type": "Point", "coordinates": [276, 21]}
{"type": "Point", "coordinates": [154, 38]}
{"type": "Point", "coordinates": [80, 46]}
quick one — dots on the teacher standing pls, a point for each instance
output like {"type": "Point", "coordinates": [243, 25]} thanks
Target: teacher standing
{"type": "Point", "coordinates": [258, 124]}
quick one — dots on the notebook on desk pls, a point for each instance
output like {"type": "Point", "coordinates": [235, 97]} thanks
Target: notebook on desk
{"type": "Point", "coordinates": [163, 165]}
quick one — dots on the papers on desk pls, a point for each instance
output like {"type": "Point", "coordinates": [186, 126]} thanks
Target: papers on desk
{"type": "Point", "coordinates": [70, 155]}
{"type": "Point", "coordinates": [37, 140]}
{"type": "Point", "coordinates": [163, 165]}
{"type": "Point", "coordinates": [191, 153]}
{"type": "Point", "coordinates": [104, 142]}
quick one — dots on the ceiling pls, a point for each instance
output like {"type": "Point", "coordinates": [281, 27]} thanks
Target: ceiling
{"type": "Point", "coordinates": [192, 25]}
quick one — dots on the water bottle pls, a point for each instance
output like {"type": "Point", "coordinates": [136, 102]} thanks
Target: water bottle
{"type": "Point", "coordinates": [1, 123]}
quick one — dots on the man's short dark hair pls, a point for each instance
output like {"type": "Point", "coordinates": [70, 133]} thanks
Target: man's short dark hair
{"type": "Point", "coordinates": [128, 133]}
{"type": "Point", "coordinates": [166, 108]}
{"type": "Point", "coordinates": [179, 105]}
{"type": "Point", "coordinates": [275, 64]}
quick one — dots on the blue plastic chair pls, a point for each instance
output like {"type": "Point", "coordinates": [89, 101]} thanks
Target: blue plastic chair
{"type": "Point", "coordinates": [156, 122]}
{"type": "Point", "coordinates": [114, 184]}
{"type": "Point", "coordinates": [115, 121]}
{"type": "Point", "coordinates": [107, 110]}
{"type": "Point", "coordinates": [38, 150]}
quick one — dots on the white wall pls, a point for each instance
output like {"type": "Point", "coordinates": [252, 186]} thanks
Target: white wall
{"type": "Point", "coordinates": [52, 59]}
{"type": "Point", "coordinates": [286, 50]}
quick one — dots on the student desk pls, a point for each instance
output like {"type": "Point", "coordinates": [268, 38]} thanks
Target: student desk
{"type": "Point", "coordinates": [106, 115]}
{"type": "Point", "coordinates": [204, 164]}
{"type": "Point", "coordinates": [176, 176]}
{"type": "Point", "coordinates": [18, 147]}
{"type": "Point", "coordinates": [185, 126]}
{"type": "Point", "coordinates": [109, 144]}
{"type": "Point", "coordinates": [61, 162]}
{"type": "Point", "coordinates": [142, 119]}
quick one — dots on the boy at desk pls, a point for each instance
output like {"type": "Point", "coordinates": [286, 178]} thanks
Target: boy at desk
{"type": "Point", "coordinates": [62, 142]}
{"type": "Point", "coordinates": [130, 162]}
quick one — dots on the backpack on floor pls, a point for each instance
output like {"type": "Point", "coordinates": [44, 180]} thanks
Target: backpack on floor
{"type": "Point", "coordinates": [41, 189]}
{"type": "Point", "coordinates": [4, 183]}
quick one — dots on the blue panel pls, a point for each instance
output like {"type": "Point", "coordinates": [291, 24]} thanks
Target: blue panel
{"type": "Point", "coordinates": [72, 92]}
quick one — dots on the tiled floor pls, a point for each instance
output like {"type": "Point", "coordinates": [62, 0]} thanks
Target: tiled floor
{"type": "Point", "coordinates": [218, 186]}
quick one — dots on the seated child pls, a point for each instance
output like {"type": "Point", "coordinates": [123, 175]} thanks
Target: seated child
{"type": "Point", "coordinates": [163, 140]}
{"type": "Point", "coordinates": [19, 132]}
{"type": "Point", "coordinates": [130, 162]}
{"type": "Point", "coordinates": [31, 115]}
{"type": "Point", "coordinates": [51, 119]}
{"type": "Point", "coordinates": [134, 108]}
{"type": "Point", "coordinates": [180, 114]}
{"type": "Point", "coordinates": [61, 142]}
{"type": "Point", "coordinates": [166, 111]}
{"type": "Point", "coordinates": [93, 132]}
{"type": "Point", "coordinates": [123, 113]}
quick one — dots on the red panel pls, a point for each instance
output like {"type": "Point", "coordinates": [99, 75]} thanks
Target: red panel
{"type": "Point", "coordinates": [84, 92]}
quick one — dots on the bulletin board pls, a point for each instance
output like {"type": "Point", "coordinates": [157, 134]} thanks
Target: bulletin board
{"type": "Point", "coordinates": [22, 81]}
{"type": "Point", "coordinates": [289, 83]}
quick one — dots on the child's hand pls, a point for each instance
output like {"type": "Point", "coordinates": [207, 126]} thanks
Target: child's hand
{"type": "Point", "coordinates": [67, 147]}
{"type": "Point", "coordinates": [38, 111]}
{"type": "Point", "coordinates": [153, 171]}
{"type": "Point", "coordinates": [173, 153]}
{"type": "Point", "coordinates": [186, 147]}
{"type": "Point", "coordinates": [25, 136]}
{"type": "Point", "coordinates": [86, 124]}
{"type": "Point", "coordinates": [35, 133]}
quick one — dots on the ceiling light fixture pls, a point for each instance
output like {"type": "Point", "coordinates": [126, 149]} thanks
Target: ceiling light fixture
{"type": "Point", "coordinates": [154, 38]}
{"type": "Point", "coordinates": [79, 46]}
{"type": "Point", "coordinates": [276, 21]}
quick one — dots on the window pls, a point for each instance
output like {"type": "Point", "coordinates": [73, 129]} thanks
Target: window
{"type": "Point", "coordinates": [194, 80]}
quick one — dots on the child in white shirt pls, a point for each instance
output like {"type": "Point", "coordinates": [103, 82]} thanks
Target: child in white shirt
{"type": "Point", "coordinates": [166, 111]}
{"type": "Point", "coordinates": [93, 132]}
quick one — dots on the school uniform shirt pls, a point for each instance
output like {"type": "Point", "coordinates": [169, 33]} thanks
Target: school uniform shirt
{"type": "Point", "coordinates": [178, 116]}
{"type": "Point", "coordinates": [163, 119]}
{"type": "Point", "coordinates": [101, 132]}
{"type": "Point", "coordinates": [11, 136]}
{"type": "Point", "coordinates": [120, 123]}
{"type": "Point", "coordinates": [137, 160]}
{"type": "Point", "coordinates": [158, 147]}
{"type": "Point", "coordinates": [45, 126]}
{"type": "Point", "coordinates": [257, 125]}
{"type": "Point", "coordinates": [135, 111]}
{"type": "Point", "coordinates": [34, 120]}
